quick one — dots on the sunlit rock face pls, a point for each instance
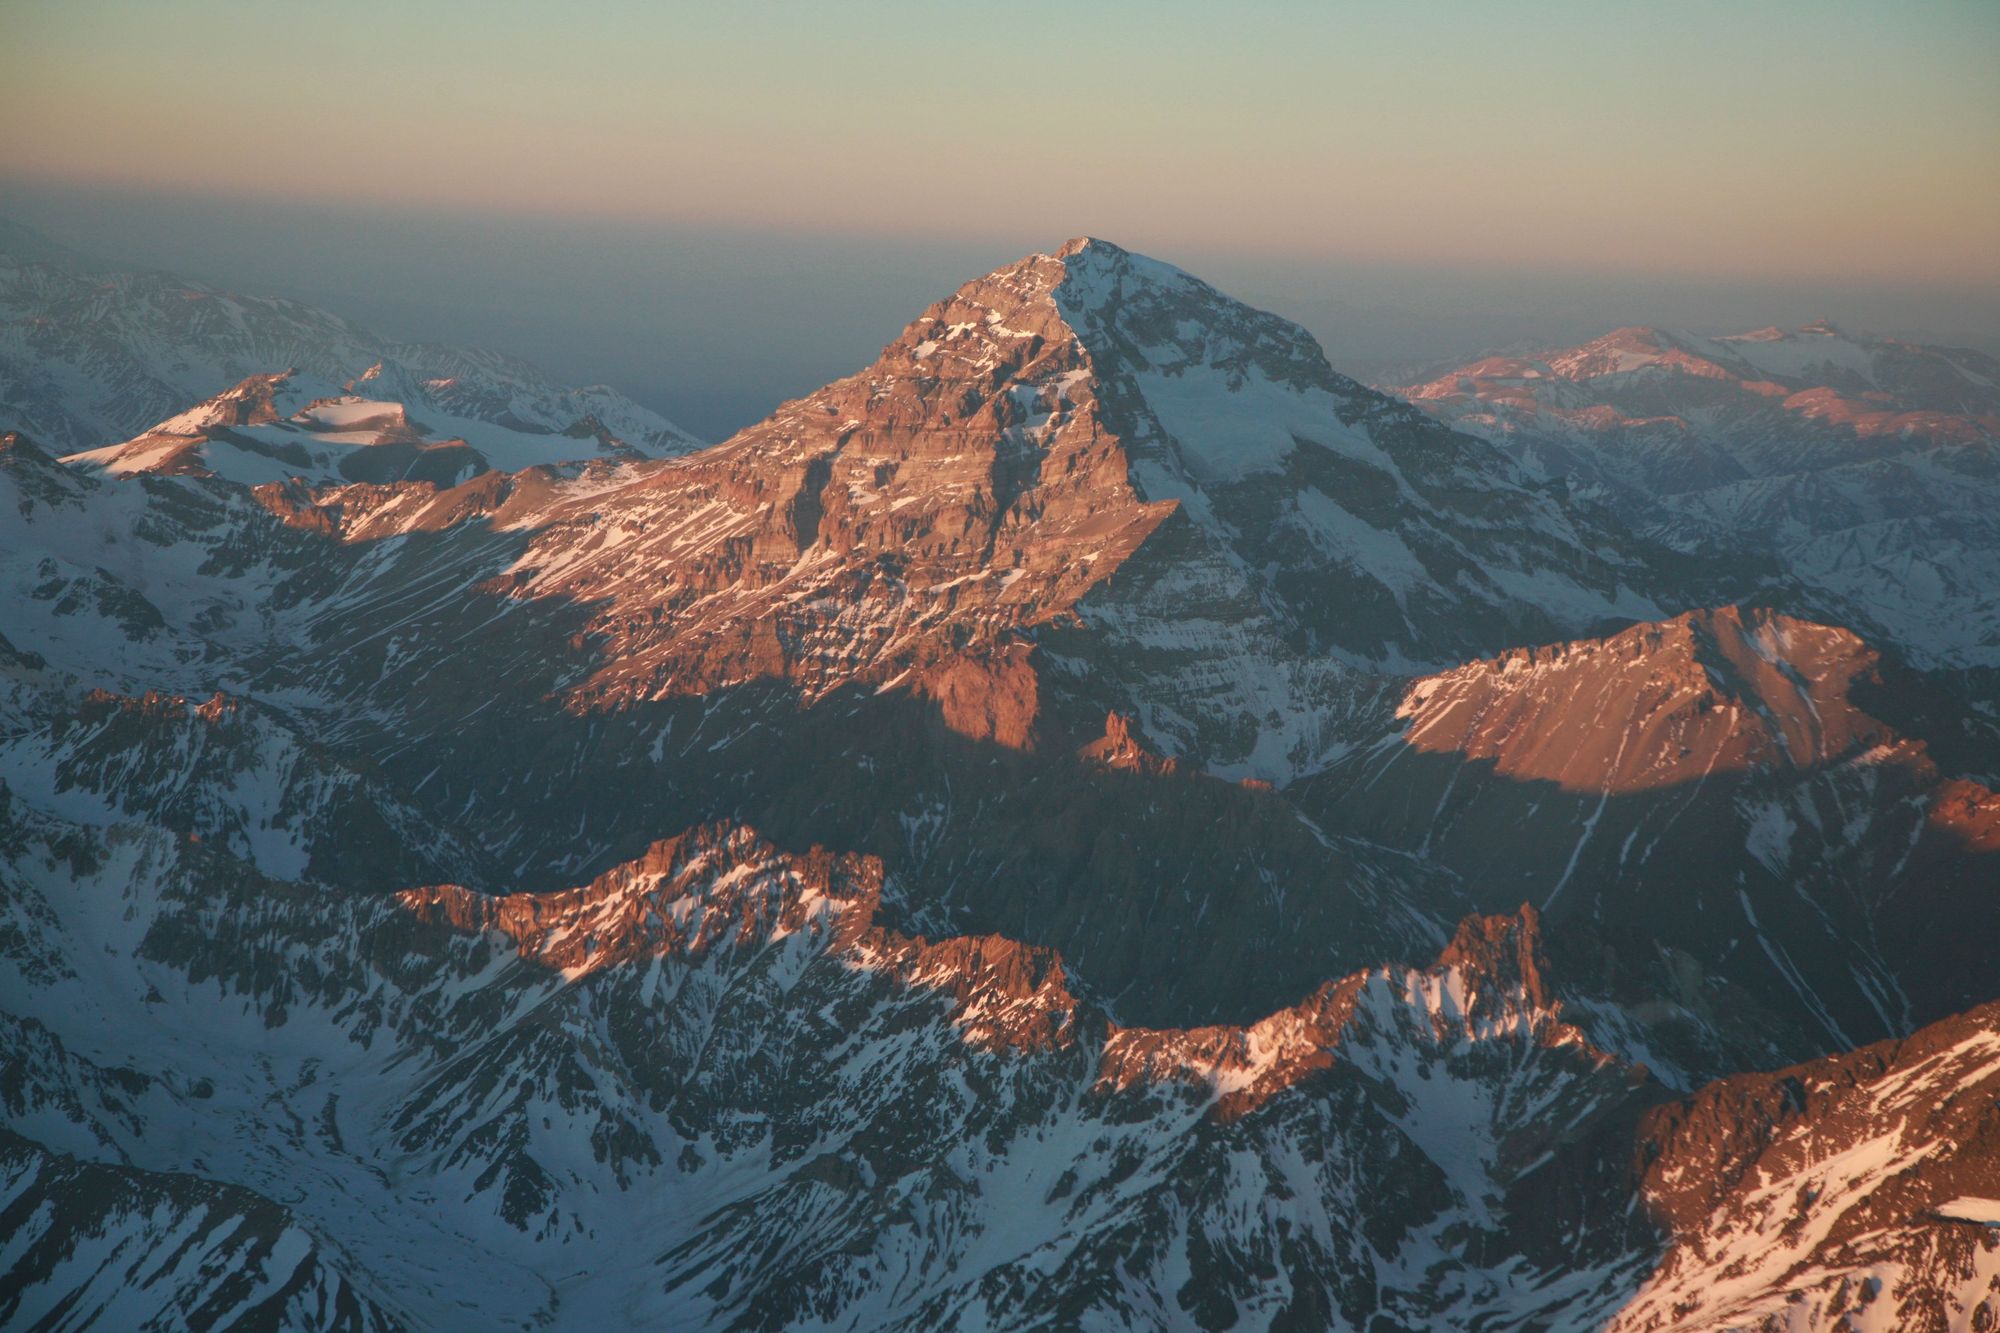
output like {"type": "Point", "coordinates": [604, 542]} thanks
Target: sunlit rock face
{"type": "Point", "coordinates": [1715, 787]}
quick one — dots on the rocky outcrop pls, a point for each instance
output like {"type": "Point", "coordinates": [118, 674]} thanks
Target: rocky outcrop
{"type": "Point", "coordinates": [1660, 705]}
{"type": "Point", "coordinates": [1712, 786]}
{"type": "Point", "coordinates": [1824, 1196]}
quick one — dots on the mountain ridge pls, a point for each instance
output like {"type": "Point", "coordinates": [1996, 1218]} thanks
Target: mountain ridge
{"type": "Point", "coordinates": [91, 354]}
{"type": "Point", "coordinates": [764, 918]}
{"type": "Point", "coordinates": [1863, 466]}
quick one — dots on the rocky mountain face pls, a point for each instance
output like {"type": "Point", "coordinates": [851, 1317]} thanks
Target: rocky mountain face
{"type": "Point", "coordinates": [91, 355]}
{"type": "Point", "coordinates": [710, 1088]}
{"type": "Point", "coordinates": [221, 769]}
{"type": "Point", "coordinates": [1708, 794]}
{"type": "Point", "coordinates": [1854, 1192]}
{"type": "Point", "coordinates": [1095, 820]}
{"type": "Point", "coordinates": [1866, 466]}
{"type": "Point", "coordinates": [100, 1244]}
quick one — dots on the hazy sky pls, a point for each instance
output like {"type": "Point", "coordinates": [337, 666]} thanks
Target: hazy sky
{"type": "Point", "coordinates": [770, 189]}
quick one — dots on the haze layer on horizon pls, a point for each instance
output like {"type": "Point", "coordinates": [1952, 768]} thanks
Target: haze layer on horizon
{"type": "Point", "coordinates": [715, 206]}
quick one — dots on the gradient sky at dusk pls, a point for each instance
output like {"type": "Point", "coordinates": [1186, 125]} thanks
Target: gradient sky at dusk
{"type": "Point", "coordinates": [1831, 145]}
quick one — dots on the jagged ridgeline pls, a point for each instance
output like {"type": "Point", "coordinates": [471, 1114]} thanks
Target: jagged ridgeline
{"type": "Point", "coordinates": [1095, 821]}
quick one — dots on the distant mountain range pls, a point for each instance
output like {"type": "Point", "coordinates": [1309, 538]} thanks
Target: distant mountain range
{"type": "Point", "coordinates": [1095, 820]}
{"type": "Point", "coordinates": [91, 355]}
{"type": "Point", "coordinates": [1864, 465]}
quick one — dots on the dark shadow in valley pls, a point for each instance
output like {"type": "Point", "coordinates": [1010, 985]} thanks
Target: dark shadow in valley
{"type": "Point", "coordinates": [1793, 911]}
{"type": "Point", "coordinates": [1177, 898]}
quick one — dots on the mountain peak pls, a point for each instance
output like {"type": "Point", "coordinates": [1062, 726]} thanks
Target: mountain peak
{"type": "Point", "coordinates": [1630, 334]}
{"type": "Point", "coordinates": [1096, 272]}
{"type": "Point", "coordinates": [1011, 451]}
{"type": "Point", "coordinates": [1076, 245]}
